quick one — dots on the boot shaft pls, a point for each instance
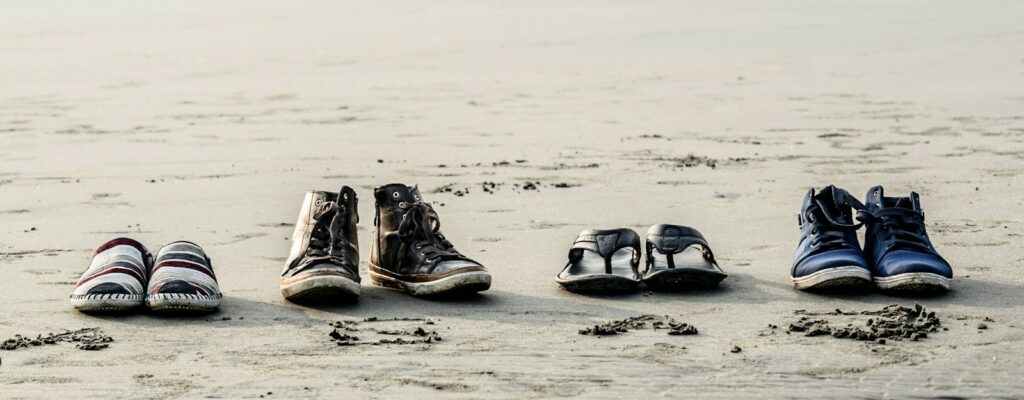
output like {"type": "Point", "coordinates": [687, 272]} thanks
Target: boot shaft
{"type": "Point", "coordinates": [314, 204]}
{"type": "Point", "coordinates": [391, 201]}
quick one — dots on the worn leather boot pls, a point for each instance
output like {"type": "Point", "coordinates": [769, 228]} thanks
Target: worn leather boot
{"type": "Point", "coordinates": [410, 253]}
{"type": "Point", "coordinates": [324, 260]}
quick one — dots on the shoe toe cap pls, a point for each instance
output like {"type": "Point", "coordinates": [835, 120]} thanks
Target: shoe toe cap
{"type": "Point", "coordinates": [108, 288]}
{"type": "Point", "coordinates": [325, 268]}
{"type": "Point", "coordinates": [831, 259]}
{"type": "Point", "coordinates": [180, 287]}
{"type": "Point", "coordinates": [903, 262]}
{"type": "Point", "coordinates": [445, 267]}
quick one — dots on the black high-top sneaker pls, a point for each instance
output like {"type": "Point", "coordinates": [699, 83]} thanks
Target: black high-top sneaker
{"type": "Point", "coordinates": [324, 261]}
{"type": "Point", "coordinates": [410, 253]}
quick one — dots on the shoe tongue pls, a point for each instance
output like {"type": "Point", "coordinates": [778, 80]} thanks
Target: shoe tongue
{"type": "Point", "coordinates": [911, 203]}
{"type": "Point", "coordinates": [834, 203]}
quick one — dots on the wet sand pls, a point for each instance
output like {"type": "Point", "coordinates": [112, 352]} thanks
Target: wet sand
{"type": "Point", "coordinates": [183, 120]}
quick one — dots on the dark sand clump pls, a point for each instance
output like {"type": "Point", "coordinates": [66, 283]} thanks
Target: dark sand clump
{"type": "Point", "coordinates": [84, 339]}
{"type": "Point", "coordinates": [646, 321]}
{"type": "Point", "coordinates": [344, 333]}
{"type": "Point", "coordinates": [893, 322]}
{"type": "Point", "coordinates": [489, 187]}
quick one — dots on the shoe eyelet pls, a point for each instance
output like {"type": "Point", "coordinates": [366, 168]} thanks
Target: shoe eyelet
{"type": "Point", "coordinates": [394, 194]}
{"type": "Point", "coordinates": [403, 204]}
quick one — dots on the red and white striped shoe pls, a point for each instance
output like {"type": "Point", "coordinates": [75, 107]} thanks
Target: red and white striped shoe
{"type": "Point", "coordinates": [183, 280]}
{"type": "Point", "coordinates": [116, 279]}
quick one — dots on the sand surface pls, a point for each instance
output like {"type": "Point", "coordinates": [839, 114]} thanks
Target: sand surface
{"type": "Point", "coordinates": [208, 122]}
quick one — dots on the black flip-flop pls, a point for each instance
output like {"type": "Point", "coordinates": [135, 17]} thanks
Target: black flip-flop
{"type": "Point", "coordinates": [679, 258]}
{"type": "Point", "coordinates": [603, 261]}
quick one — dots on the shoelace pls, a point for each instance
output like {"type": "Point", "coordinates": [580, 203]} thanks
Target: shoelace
{"type": "Point", "coordinates": [903, 228]}
{"type": "Point", "coordinates": [420, 227]}
{"type": "Point", "coordinates": [327, 241]}
{"type": "Point", "coordinates": [828, 234]}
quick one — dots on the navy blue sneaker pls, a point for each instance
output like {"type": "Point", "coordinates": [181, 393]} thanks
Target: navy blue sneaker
{"type": "Point", "coordinates": [829, 255]}
{"type": "Point", "coordinates": [897, 245]}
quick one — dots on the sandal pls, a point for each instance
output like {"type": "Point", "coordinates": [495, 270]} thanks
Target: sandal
{"type": "Point", "coordinates": [678, 258]}
{"type": "Point", "coordinates": [603, 261]}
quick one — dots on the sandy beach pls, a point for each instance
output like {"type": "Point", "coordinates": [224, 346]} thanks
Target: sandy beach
{"type": "Point", "coordinates": [208, 122]}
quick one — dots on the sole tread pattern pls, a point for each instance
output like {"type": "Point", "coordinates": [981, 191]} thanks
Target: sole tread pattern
{"type": "Point", "coordinates": [183, 302]}
{"type": "Point", "coordinates": [107, 302]}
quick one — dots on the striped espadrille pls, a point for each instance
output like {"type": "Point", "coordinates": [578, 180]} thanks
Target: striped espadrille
{"type": "Point", "coordinates": [182, 280]}
{"type": "Point", "coordinates": [116, 279]}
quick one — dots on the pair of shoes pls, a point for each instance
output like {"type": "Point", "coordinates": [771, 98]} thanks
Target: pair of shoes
{"type": "Point", "coordinates": [897, 255]}
{"type": "Point", "coordinates": [408, 252]}
{"type": "Point", "coordinates": [124, 276]}
{"type": "Point", "coordinates": [608, 261]}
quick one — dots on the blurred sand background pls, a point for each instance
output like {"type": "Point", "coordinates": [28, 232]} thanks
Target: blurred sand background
{"type": "Point", "coordinates": [207, 121]}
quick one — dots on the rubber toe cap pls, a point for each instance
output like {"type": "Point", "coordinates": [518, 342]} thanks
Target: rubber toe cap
{"type": "Point", "coordinates": [445, 267]}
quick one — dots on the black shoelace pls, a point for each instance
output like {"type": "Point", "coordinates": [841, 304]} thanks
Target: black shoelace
{"type": "Point", "coordinates": [827, 233]}
{"type": "Point", "coordinates": [420, 227]}
{"type": "Point", "coordinates": [902, 228]}
{"type": "Point", "coordinates": [327, 241]}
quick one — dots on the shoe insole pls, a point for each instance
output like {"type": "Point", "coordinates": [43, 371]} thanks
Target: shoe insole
{"type": "Point", "coordinates": [691, 257]}
{"type": "Point", "coordinates": [593, 264]}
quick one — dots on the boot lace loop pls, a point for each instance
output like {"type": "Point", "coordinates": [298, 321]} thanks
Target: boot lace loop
{"type": "Point", "coordinates": [327, 241]}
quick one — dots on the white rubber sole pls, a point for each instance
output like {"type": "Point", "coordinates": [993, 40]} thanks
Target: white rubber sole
{"type": "Point", "coordinates": [323, 287]}
{"type": "Point", "coordinates": [107, 302]}
{"type": "Point", "coordinates": [914, 281]}
{"type": "Point", "coordinates": [183, 302]}
{"type": "Point", "coordinates": [836, 277]}
{"type": "Point", "coordinates": [467, 282]}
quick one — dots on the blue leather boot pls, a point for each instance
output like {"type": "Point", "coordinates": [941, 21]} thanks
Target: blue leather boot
{"type": "Point", "coordinates": [829, 255]}
{"type": "Point", "coordinates": [897, 245]}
